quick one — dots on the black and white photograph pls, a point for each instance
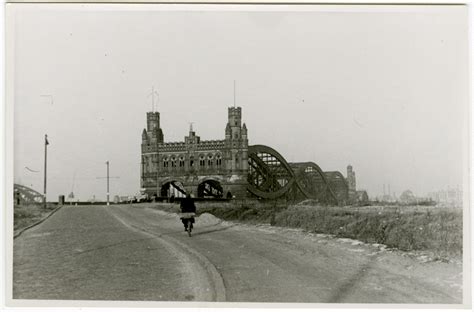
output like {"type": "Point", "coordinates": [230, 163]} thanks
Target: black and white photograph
{"type": "Point", "coordinates": [273, 154]}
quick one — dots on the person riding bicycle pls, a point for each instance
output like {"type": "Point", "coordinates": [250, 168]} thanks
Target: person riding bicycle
{"type": "Point", "coordinates": [187, 206]}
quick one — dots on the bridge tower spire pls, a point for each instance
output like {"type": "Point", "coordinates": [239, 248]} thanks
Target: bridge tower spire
{"type": "Point", "coordinates": [152, 94]}
{"type": "Point", "coordinates": [234, 93]}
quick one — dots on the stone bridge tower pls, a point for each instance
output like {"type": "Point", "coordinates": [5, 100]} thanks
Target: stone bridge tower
{"type": "Point", "coordinates": [236, 142]}
{"type": "Point", "coordinates": [214, 168]}
{"type": "Point", "coordinates": [151, 137]}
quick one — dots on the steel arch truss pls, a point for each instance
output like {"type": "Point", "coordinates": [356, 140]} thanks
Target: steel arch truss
{"type": "Point", "coordinates": [27, 195]}
{"type": "Point", "coordinates": [338, 184]}
{"type": "Point", "coordinates": [315, 183]}
{"type": "Point", "coordinates": [271, 176]}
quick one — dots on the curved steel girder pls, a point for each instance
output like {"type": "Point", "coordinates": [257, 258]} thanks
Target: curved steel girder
{"type": "Point", "coordinates": [173, 183]}
{"type": "Point", "coordinates": [29, 194]}
{"type": "Point", "coordinates": [176, 186]}
{"type": "Point", "coordinates": [338, 183]}
{"type": "Point", "coordinates": [254, 150]}
{"type": "Point", "coordinates": [209, 190]}
{"type": "Point", "coordinates": [264, 170]}
{"type": "Point", "coordinates": [253, 154]}
{"type": "Point", "coordinates": [273, 195]}
{"type": "Point", "coordinates": [301, 170]}
{"type": "Point", "coordinates": [261, 168]}
{"type": "Point", "coordinates": [336, 176]}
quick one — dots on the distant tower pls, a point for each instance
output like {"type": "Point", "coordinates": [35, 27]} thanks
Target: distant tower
{"type": "Point", "coordinates": [155, 134]}
{"type": "Point", "coordinates": [236, 140]}
{"type": "Point", "coordinates": [245, 144]}
{"type": "Point", "coordinates": [351, 179]}
{"type": "Point", "coordinates": [235, 121]}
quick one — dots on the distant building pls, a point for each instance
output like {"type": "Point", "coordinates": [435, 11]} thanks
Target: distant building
{"type": "Point", "coordinates": [407, 197]}
{"type": "Point", "coordinates": [362, 197]}
{"type": "Point", "coordinates": [450, 197]}
{"type": "Point", "coordinates": [351, 184]}
{"type": "Point", "coordinates": [205, 168]}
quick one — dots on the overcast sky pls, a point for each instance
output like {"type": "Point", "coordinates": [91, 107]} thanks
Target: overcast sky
{"type": "Point", "coordinates": [383, 88]}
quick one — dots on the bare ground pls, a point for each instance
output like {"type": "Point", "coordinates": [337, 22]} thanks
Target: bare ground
{"type": "Point", "coordinates": [134, 252]}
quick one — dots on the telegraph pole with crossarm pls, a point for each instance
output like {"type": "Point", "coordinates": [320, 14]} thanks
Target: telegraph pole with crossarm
{"type": "Point", "coordinates": [108, 177]}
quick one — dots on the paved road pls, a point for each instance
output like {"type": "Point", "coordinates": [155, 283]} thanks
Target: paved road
{"type": "Point", "coordinates": [139, 253]}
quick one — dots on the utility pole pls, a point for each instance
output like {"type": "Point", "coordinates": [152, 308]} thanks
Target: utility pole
{"type": "Point", "coordinates": [45, 167]}
{"type": "Point", "coordinates": [108, 178]}
{"type": "Point", "coordinates": [108, 199]}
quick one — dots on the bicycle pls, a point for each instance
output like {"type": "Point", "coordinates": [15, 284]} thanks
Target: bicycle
{"type": "Point", "coordinates": [188, 219]}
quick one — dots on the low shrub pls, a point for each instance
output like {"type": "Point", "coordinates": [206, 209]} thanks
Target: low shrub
{"type": "Point", "coordinates": [435, 229]}
{"type": "Point", "coordinates": [406, 228]}
{"type": "Point", "coordinates": [26, 215]}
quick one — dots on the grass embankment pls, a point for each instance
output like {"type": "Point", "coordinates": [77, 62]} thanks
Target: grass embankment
{"type": "Point", "coordinates": [406, 228]}
{"type": "Point", "coordinates": [437, 230]}
{"type": "Point", "coordinates": [26, 215]}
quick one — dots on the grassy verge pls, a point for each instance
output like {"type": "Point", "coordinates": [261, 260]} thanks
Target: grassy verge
{"type": "Point", "coordinates": [26, 215]}
{"type": "Point", "coordinates": [437, 230]}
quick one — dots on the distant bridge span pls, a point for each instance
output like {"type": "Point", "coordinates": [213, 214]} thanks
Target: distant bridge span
{"type": "Point", "coordinates": [26, 195]}
{"type": "Point", "coordinates": [270, 176]}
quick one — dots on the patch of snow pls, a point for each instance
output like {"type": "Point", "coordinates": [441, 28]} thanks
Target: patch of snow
{"type": "Point", "coordinates": [267, 230]}
{"type": "Point", "coordinates": [350, 241]}
{"type": "Point", "coordinates": [424, 259]}
{"type": "Point", "coordinates": [227, 223]}
{"type": "Point", "coordinates": [356, 250]}
{"type": "Point", "coordinates": [40, 234]}
{"type": "Point", "coordinates": [207, 219]}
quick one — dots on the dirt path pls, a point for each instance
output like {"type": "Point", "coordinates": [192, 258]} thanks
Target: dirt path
{"type": "Point", "coordinates": [145, 249]}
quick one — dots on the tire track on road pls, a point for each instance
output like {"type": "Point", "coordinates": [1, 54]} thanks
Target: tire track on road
{"type": "Point", "coordinates": [213, 275]}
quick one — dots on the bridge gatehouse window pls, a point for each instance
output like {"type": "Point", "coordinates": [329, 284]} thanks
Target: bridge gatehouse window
{"type": "Point", "coordinates": [209, 160]}
{"type": "Point", "coordinates": [173, 161]}
{"type": "Point", "coordinates": [191, 161]}
{"type": "Point", "coordinates": [218, 160]}
{"type": "Point", "coordinates": [181, 161]}
{"type": "Point", "coordinates": [165, 162]}
{"type": "Point", "coordinates": [202, 161]}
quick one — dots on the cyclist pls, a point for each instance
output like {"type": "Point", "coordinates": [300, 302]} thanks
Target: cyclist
{"type": "Point", "coordinates": [188, 209]}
